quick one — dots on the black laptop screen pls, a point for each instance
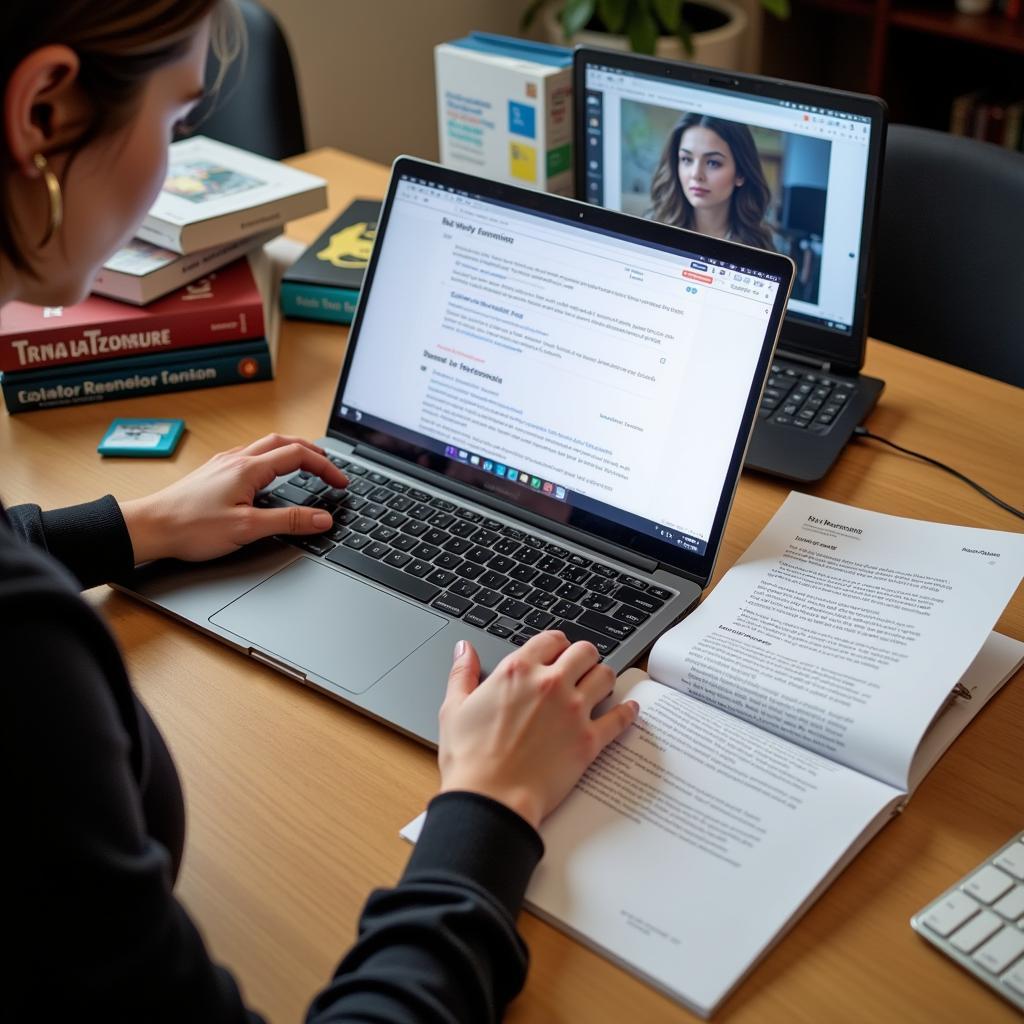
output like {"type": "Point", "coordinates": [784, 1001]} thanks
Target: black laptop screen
{"type": "Point", "coordinates": [778, 166]}
{"type": "Point", "coordinates": [590, 376]}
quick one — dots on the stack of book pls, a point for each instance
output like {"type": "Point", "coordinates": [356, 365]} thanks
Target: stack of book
{"type": "Point", "coordinates": [189, 303]}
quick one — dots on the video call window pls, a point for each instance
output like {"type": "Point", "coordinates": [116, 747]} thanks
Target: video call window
{"type": "Point", "coordinates": [767, 186]}
{"type": "Point", "coordinates": [768, 173]}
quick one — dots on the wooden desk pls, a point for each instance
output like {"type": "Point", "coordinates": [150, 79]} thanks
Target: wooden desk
{"type": "Point", "coordinates": [295, 801]}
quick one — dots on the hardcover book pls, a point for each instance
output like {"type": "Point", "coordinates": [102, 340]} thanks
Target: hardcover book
{"type": "Point", "coordinates": [324, 283]}
{"type": "Point", "coordinates": [105, 380]}
{"type": "Point", "coordinates": [215, 193]}
{"type": "Point", "coordinates": [223, 306]}
{"type": "Point", "coordinates": [142, 272]}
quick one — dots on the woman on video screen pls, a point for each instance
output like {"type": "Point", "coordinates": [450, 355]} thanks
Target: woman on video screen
{"type": "Point", "coordinates": [709, 179]}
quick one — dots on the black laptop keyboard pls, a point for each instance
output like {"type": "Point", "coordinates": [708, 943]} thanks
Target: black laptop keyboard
{"type": "Point", "coordinates": [805, 401]}
{"type": "Point", "coordinates": [453, 558]}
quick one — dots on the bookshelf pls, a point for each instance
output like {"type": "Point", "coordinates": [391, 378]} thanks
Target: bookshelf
{"type": "Point", "coordinates": [917, 55]}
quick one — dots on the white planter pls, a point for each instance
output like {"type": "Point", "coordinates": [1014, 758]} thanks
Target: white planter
{"type": "Point", "coordinates": [720, 47]}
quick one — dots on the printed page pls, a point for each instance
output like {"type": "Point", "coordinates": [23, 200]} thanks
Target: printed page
{"type": "Point", "coordinates": [845, 630]}
{"type": "Point", "coordinates": [692, 842]}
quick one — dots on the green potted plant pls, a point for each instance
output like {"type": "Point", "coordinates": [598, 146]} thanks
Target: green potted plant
{"type": "Point", "coordinates": [708, 31]}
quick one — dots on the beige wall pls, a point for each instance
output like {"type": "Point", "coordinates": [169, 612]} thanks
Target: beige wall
{"type": "Point", "coordinates": [366, 67]}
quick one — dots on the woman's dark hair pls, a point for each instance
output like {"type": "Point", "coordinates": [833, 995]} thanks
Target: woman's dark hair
{"type": "Point", "coordinates": [119, 43]}
{"type": "Point", "coordinates": [749, 201]}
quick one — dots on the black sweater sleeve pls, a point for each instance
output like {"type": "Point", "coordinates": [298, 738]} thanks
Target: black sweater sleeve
{"type": "Point", "coordinates": [95, 834]}
{"type": "Point", "coordinates": [89, 540]}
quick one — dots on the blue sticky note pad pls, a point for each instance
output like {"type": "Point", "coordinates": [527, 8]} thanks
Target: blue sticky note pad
{"type": "Point", "coordinates": [141, 438]}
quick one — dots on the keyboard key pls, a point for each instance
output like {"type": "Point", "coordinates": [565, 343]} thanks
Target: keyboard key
{"type": "Point", "coordinates": [376, 550]}
{"type": "Point", "coordinates": [603, 624]}
{"type": "Point", "coordinates": [417, 567]}
{"type": "Point", "coordinates": [523, 573]}
{"type": "Point", "coordinates": [488, 598]}
{"type": "Point", "coordinates": [338, 461]}
{"type": "Point", "coordinates": [442, 520]}
{"type": "Point", "coordinates": [451, 603]}
{"type": "Point", "coordinates": [404, 542]}
{"type": "Point", "coordinates": [947, 916]}
{"type": "Point", "coordinates": [484, 537]}
{"type": "Point", "coordinates": [427, 552]}
{"type": "Point", "coordinates": [600, 585]}
{"type": "Point", "coordinates": [533, 542]}
{"type": "Point", "coordinates": [565, 610]}
{"type": "Point", "coordinates": [542, 599]}
{"type": "Point", "coordinates": [392, 520]}
{"type": "Point", "coordinates": [545, 581]}
{"type": "Point", "coordinates": [598, 602]}
{"type": "Point", "coordinates": [520, 638]}
{"type": "Point", "coordinates": [442, 504]}
{"type": "Point", "coordinates": [528, 555]}
{"type": "Point", "coordinates": [469, 570]}
{"type": "Point", "coordinates": [377, 478]}
{"type": "Point", "coordinates": [492, 524]}
{"type": "Point", "coordinates": [554, 549]}
{"type": "Point", "coordinates": [511, 531]}
{"type": "Point", "coordinates": [988, 884]}
{"type": "Point", "coordinates": [464, 588]}
{"type": "Point", "coordinates": [493, 580]}
{"type": "Point", "coordinates": [516, 589]}
{"type": "Point", "coordinates": [397, 558]}
{"type": "Point", "coordinates": [632, 581]}
{"type": "Point", "coordinates": [418, 495]}
{"type": "Point", "coordinates": [981, 927]}
{"type": "Point", "coordinates": [356, 540]}
{"type": "Point", "coordinates": [631, 615]}
{"type": "Point", "coordinates": [441, 577]}
{"type": "Point", "coordinates": [1015, 979]}
{"type": "Point", "coordinates": [629, 595]}
{"type": "Point", "coordinates": [469, 515]}
{"type": "Point", "coordinates": [479, 616]}
{"type": "Point", "coordinates": [361, 487]}
{"type": "Point", "coordinates": [604, 644]}
{"type": "Point", "coordinates": [354, 469]}
{"type": "Point", "coordinates": [415, 529]}
{"type": "Point", "coordinates": [539, 619]}
{"type": "Point", "coordinates": [398, 486]}
{"type": "Point", "coordinates": [514, 609]}
{"type": "Point", "coordinates": [604, 570]}
{"type": "Point", "coordinates": [499, 563]}
{"type": "Point", "coordinates": [579, 561]}
{"type": "Point", "coordinates": [506, 546]}
{"type": "Point", "coordinates": [384, 533]}
{"type": "Point", "coordinates": [435, 536]}
{"type": "Point", "coordinates": [659, 592]}
{"type": "Point", "coordinates": [1011, 906]}
{"type": "Point", "coordinates": [446, 560]}
{"type": "Point", "coordinates": [374, 510]}
{"type": "Point", "coordinates": [314, 485]}
{"type": "Point", "coordinates": [463, 529]}
{"type": "Point", "coordinates": [551, 564]}
{"type": "Point", "coordinates": [400, 503]}
{"type": "Point", "coordinates": [418, 589]}
{"type": "Point", "coordinates": [421, 512]}
{"type": "Point", "coordinates": [1001, 950]}
{"type": "Point", "coordinates": [571, 592]}
{"type": "Point", "coordinates": [339, 533]}
{"type": "Point", "coordinates": [364, 525]}
{"type": "Point", "coordinates": [479, 554]}
{"type": "Point", "coordinates": [1012, 861]}
{"type": "Point", "coordinates": [574, 574]}
{"type": "Point", "coordinates": [499, 630]}
{"type": "Point", "coordinates": [296, 495]}
{"type": "Point", "coordinates": [316, 545]}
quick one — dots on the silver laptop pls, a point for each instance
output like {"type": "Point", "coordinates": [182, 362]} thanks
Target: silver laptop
{"type": "Point", "coordinates": [543, 412]}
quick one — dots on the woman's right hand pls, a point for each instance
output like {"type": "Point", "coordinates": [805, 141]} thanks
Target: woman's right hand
{"type": "Point", "coordinates": [525, 736]}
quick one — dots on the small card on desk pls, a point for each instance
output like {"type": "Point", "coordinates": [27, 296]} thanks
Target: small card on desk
{"type": "Point", "coordinates": [141, 438]}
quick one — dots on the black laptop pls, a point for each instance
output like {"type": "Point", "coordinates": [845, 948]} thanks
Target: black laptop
{"type": "Point", "coordinates": [784, 166]}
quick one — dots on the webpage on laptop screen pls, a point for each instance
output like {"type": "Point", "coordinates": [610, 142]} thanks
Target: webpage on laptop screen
{"type": "Point", "coordinates": [606, 374]}
{"type": "Point", "coordinates": [766, 172]}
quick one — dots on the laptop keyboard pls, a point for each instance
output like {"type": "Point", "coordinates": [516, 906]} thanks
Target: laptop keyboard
{"type": "Point", "coordinates": [805, 401]}
{"type": "Point", "coordinates": [497, 577]}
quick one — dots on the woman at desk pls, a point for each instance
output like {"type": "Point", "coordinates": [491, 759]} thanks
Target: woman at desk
{"type": "Point", "coordinates": [709, 179]}
{"type": "Point", "coordinates": [95, 820]}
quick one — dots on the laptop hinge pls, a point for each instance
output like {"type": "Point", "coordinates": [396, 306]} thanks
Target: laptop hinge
{"type": "Point", "coordinates": [587, 540]}
{"type": "Point", "coordinates": [796, 357]}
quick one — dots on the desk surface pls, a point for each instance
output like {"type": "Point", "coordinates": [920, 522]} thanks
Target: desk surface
{"type": "Point", "coordinates": [295, 801]}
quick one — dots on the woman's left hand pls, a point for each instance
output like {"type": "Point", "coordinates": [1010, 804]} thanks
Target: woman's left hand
{"type": "Point", "coordinates": [210, 512]}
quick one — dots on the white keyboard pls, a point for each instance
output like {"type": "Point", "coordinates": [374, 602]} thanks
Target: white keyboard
{"type": "Point", "coordinates": [979, 922]}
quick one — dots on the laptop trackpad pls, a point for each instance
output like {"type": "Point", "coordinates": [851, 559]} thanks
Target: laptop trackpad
{"type": "Point", "coordinates": [329, 624]}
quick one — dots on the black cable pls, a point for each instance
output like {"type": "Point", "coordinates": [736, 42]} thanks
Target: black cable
{"type": "Point", "coordinates": [864, 432]}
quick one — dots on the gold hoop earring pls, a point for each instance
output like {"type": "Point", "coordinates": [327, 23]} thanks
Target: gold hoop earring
{"type": "Point", "coordinates": [55, 196]}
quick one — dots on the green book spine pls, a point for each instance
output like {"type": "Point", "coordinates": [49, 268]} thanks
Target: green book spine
{"type": "Point", "coordinates": [315, 302]}
{"type": "Point", "coordinates": [106, 380]}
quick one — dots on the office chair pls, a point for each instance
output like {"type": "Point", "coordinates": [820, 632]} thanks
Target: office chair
{"type": "Point", "coordinates": [949, 269]}
{"type": "Point", "coordinates": [257, 107]}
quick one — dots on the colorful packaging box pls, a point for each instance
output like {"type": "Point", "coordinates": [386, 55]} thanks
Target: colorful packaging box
{"type": "Point", "coordinates": [504, 110]}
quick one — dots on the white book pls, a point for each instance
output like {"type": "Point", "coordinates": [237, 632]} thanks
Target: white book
{"type": "Point", "coordinates": [215, 193]}
{"type": "Point", "coordinates": [782, 725]}
{"type": "Point", "coordinates": [142, 272]}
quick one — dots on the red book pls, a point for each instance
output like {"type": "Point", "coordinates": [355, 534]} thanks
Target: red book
{"type": "Point", "coordinates": [223, 306]}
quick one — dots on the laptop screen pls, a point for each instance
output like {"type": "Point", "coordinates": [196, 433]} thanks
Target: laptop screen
{"type": "Point", "coordinates": [783, 167]}
{"type": "Point", "coordinates": [597, 378]}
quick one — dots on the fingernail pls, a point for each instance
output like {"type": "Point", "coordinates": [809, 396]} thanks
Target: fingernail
{"type": "Point", "coordinates": [636, 707]}
{"type": "Point", "coordinates": [322, 519]}
{"type": "Point", "coordinates": [460, 650]}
